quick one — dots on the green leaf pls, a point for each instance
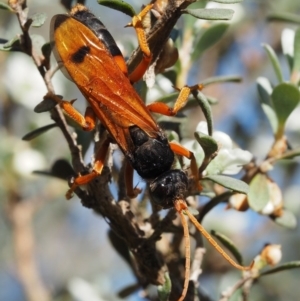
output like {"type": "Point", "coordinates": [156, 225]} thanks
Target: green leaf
{"type": "Point", "coordinates": [38, 19]}
{"type": "Point", "coordinates": [171, 75]}
{"type": "Point", "coordinates": [210, 14]}
{"type": "Point", "coordinates": [287, 220]}
{"type": "Point", "coordinates": [258, 195]}
{"type": "Point", "coordinates": [46, 50]}
{"type": "Point", "coordinates": [274, 60]}
{"type": "Point", "coordinates": [285, 99]}
{"type": "Point", "coordinates": [169, 97]}
{"type": "Point", "coordinates": [227, 1]}
{"type": "Point", "coordinates": [208, 144]}
{"type": "Point", "coordinates": [46, 104]}
{"type": "Point", "coordinates": [12, 45]}
{"type": "Point", "coordinates": [5, 6]}
{"type": "Point", "coordinates": [229, 245]}
{"type": "Point", "coordinates": [209, 37]}
{"type": "Point", "coordinates": [206, 109]}
{"type": "Point", "coordinates": [128, 290]}
{"type": "Point", "coordinates": [284, 17]}
{"type": "Point", "coordinates": [296, 63]}
{"type": "Point", "coordinates": [228, 182]}
{"type": "Point", "coordinates": [283, 267]}
{"type": "Point", "coordinates": [289, 154]}
{"type": "Point", "coordinates": [39, 132]}
{"type": "Point", "coordinates": [165, 289]}
{"type": "Point", "coordinates": [119, 5]}
{"type": "Point", "coordinates": [173, 136]}
{"type": "Point", "coordinates": [264, 91]}
{"type": "Point", "coordinates": [60, 169]}
{"type": "Point", "coordinates": [212, 100]}
{"type": "Point", "coordinates": [222, 79]}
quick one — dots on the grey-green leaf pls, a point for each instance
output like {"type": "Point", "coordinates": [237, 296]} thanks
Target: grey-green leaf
{"type": "Point", "coordinates": [290, 154]}
{"type": "Point", "coordinates": [38, 19]}
{"type": "Point", "coordinates": [46, 104]}
{"type": "Point", "coordinates": [227, 1]}
{"type": "Point", "coordinates": [208, 144]}
{"type": "Point", "coordinates": [229, 245]}
{"type": "Point", "coordinates": [46, 50]}
{"type": "Point", "coordinates": [5, 6]}
{"type": "Point", "coordinates": [60, 169]}
{"type": "Point", "coordinates": [283, 267]}
{"type": "Point", "coordinates": [12, 45]}
{"type": "Point", "coordinates": [274, 60]}
{"type": "Point", "coordinates": [258, 195]}
{"type": "Point", "coordinates": [119, 5]}
{"type": "Point", "coordinates": [228, 182]}
{"type": "Point", "coordinates": [264, 89]}
{"type": "Point", "coordinates": [210, 13]}
{"type": "Point", "coordinates": [222, 79]}
{"type": "Point", "coordinates": [39, 132]}
{"type": "Point", "coordinates": [208, 38]}
{"type": "Point", "coordinates": [284, 17]}
{"type": "Point", "coordinates": [296, 63]}
{"type": "Point", "coordinates": [285, 99]}
{"type": "Point", "coordinates": [206, 109]}
{"type": "Point", "coordinates": [287, 220]}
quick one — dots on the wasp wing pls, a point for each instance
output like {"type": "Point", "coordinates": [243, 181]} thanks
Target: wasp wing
{"type": "Point", "coordinates": [92, 67]}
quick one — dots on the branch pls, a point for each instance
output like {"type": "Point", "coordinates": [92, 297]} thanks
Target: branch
{"type": "Point", "coordinates": [21, 213]}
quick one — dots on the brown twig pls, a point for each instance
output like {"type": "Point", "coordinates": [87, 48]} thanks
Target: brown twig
{"type": "Point", "coordinates": [21, 214]}
{"type": "Point", "coordinates": [226, 295]}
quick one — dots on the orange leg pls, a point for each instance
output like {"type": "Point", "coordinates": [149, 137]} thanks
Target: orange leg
{"type": "Point", "coordinates": [182, 151]}
{"type": "Point", "coordinates": [87, 122]}
{"type": "Point", "coordinates": [162, 108]}
{"type": "Point", "coordinates": [137, 23]}
{"type": "Point", "coordinates": [97, 169]}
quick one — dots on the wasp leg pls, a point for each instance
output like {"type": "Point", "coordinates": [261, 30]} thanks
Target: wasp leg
{"type": "Point", "coordinates": [181, 207]}
{"type": "Point", "coordinates": [186, 235]}
{"type": "Point", "coordinates": [182, 151]}
{"type": "Point", "coordinates": [87, 122]}
{"type": "Point", "coordinates": [137, 23]}
{"type": "Point", "coordinates": [162, 108]}
{"type": "Point", "coordinates": [97, 169]}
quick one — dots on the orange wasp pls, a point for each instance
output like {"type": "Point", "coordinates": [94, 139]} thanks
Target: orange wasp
{"type": "Point", "coordinates": [94, 62]}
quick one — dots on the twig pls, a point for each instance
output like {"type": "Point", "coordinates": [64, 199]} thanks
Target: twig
{"type": "Point", "coordinates": [225, 296]}
{"type": "Point", "coordinates": [21, 213]}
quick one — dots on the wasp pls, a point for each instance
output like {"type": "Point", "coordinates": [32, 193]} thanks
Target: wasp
{"type": "Point", "coordinates": [94, 62]}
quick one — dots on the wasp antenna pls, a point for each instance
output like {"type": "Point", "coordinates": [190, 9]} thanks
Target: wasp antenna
{"type": "Point", "coordinates": [186, 235]}
{"type": "Point", "coordinates": [215, 244]}
{"type": "Point", "coordinates": [180, 206]}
